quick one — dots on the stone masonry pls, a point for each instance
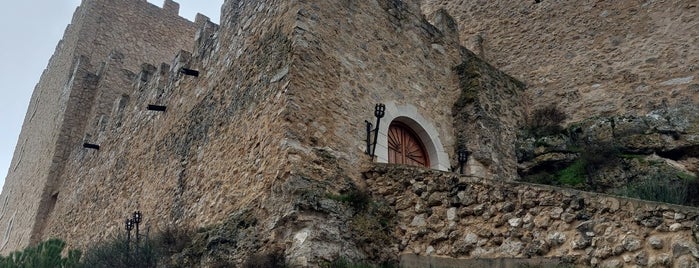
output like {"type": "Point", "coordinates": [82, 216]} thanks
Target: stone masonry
{"type": "Point", "coordinates": [442, 214]}
{"type": "Point", "coordinates": [588, 57]}
{"type": "Point", "coordinates": [121, 33]}
{"type": "Point", "coordinates": [273, 126]}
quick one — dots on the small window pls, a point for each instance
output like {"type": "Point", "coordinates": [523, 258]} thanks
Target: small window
{"type": "Point", "coordinates": [405, 147]}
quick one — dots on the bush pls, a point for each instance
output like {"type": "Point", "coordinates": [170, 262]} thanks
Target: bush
{"type": "Point", "coordinates": [118, 252]}
{"type": "Point", "coordinates": [574, 174]}
{"type": "Point", "coordinates": [599, 155]}
{"type": "Point", "coordinates": [46, 254]}
{"type": "Point", "coordinates": [172, 240]}
{"type": "Point", "coordinates": [657, 188]}
{"type": "Point", "coordinates": [357, 199]}
{"type": "Point", "coordinates": [547, 121]}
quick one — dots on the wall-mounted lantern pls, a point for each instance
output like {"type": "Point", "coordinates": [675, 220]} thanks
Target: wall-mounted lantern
{"type": "Point", "coordinates": [379, 112]}
{"type": "Point", "coordinates": [157, 108]}
{"type": "Point", "coordinates": [189, 72]}
{"type": "Point", "coordinates": [91, 146]}
{"type": "Point", "coordinates": [463, 158]}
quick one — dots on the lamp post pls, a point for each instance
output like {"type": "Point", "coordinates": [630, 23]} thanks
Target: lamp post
{"type": "Point", "coordinates": [129, 227]}
{"type": "Point", "coordinates": [463, 158]}
{"type": "Point", "coordinates": [137, 218]}
{"type": "Point", "coordinates": [379, 112]}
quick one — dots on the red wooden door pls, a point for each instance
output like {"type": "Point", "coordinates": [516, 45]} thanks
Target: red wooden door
{"type": "Point", "coordinates": [404, 146]}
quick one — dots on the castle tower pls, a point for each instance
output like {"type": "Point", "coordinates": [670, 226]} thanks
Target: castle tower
{"type": "Point", "coordinates": [105, 40]}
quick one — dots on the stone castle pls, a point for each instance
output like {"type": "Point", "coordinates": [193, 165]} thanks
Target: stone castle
{"type": "Point", "coordinates": [261, 122]}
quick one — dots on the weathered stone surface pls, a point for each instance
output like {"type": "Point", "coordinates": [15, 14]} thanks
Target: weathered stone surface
{"type": "Point", "coordinates": [593, 229]}
{"type": "Point", "coordinates": [581, 55]}
{"type": "Point", "coordinates": [617, 154]}
{"type": "Point", "coordinates": [632, 243]}
{"type": "Point", "coordinates": [556, 238]}
{"type": "Point", "coordinates": [95, 63]}
{"type": "Point", "coordinates": [273, 125]}
{"type": "Point", "coordinates": [655, 242]}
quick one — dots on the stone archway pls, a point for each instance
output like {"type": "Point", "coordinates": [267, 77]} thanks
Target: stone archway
{"type": "Point", "coordinates": [408, 116]}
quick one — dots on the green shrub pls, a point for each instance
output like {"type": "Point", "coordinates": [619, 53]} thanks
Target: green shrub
{"type": "Point", "coordinates": [117, 253]}
{"type": "Point", "coordinates": [658, 188]}
{"type": "Point", "coordinates": [574, 174]}
{"type": "Point", "coordinates": [46, 254]}
{"type": "Point", "coordinates": [686, 176]}
{"type": "Point", "coordinates": [357, 199]}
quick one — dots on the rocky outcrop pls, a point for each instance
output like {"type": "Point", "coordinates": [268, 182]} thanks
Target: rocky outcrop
{"type": "Point", "coordinates": [610, 153]}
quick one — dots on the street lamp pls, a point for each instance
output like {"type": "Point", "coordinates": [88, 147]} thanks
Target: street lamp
{"type": "Point", "coordinates": [137, 218]}
{"type": "Point", "coordinates": [129, 227]}
{"type": "Point", "coordinates": [379, 112]}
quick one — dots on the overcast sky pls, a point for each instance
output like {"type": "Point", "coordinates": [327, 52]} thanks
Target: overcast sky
{"type": "Point", "coordinates": [28, 36]}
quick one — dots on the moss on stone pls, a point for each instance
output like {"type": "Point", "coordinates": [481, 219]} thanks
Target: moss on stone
{"type": "Point", "coordinates": [573, 174]}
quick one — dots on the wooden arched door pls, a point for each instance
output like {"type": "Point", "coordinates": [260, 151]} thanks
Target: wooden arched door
{"type": "Point", "coordinates": [405, 147]}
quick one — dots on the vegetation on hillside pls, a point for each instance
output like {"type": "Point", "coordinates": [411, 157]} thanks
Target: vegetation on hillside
{"type": "Point", "coordinates": [46, 254]}
{"type": "Point", "coordinates": [609, 158]}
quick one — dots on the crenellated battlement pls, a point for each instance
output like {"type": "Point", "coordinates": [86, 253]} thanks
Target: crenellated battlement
{"type": "Point", "coordinates": [171, 7]}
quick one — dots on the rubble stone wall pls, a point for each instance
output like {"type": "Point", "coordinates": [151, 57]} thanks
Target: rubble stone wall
{"type": "Point", "coordinates": [444, 214]}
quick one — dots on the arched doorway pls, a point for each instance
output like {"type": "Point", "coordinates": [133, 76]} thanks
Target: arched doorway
{"type": "Point", "coordinates": [422, 128]}
{"type": "Point", "coordinates": [405, 147]}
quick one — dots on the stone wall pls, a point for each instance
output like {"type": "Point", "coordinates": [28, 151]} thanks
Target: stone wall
{"type": "Point", "coordinates": [443, 214]}
{"type": "Point", "coordinates": [273, 128]}
{"type": "Point", "coordinates": [588, 57]}
{"type": "Point", "coordinates": [351, 56]}
{"type": "Point", "coordinates": [63, 98]}
{"type": "Point", "coordinates": [487, 116]}
{"type": "Point", "coordinates": [211, 154]}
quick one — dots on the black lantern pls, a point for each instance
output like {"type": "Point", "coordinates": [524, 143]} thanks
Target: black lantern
{"type": "Point", "coordinates": [129, 227]}
{"type": "Point", "coordinates": [137, 218]}
{"type": "Point", "coordinates": [463, 158]}
{"type": "Point", "coordinates": [379, 112]}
